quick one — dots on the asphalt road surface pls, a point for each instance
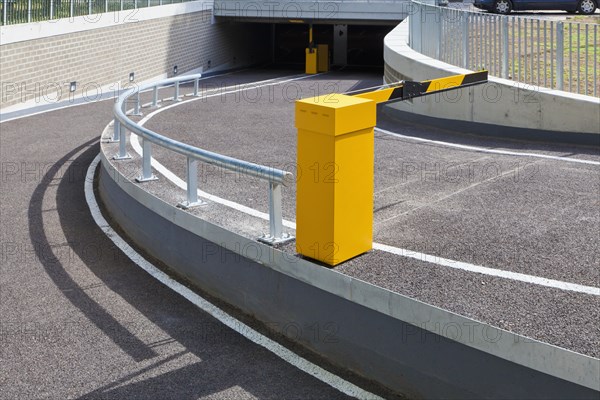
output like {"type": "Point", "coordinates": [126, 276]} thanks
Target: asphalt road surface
{"type": "Point", "coordinates": [77, 318]}
{"type": "Point", "coordinates": [528, 215]}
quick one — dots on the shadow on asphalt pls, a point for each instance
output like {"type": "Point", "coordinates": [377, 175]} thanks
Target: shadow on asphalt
{"type": "Point", "coordinates": [227, 359]}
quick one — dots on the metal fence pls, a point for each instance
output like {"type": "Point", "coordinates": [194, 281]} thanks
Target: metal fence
{"type": "Point", "coordinates": [23, 11]}
{"type": "Point", "coordinates": [555, 54]}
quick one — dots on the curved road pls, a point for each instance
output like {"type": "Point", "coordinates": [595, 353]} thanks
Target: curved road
{"type": "Point", "coordinates": [80, 320]}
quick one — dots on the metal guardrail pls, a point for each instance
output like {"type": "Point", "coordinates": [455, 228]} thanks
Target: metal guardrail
{"type": "Point", "coordinates": [24, 11]}
{"type": "Point", "coordinates": [275, 177]}
{"type": "Point", "coordinates": [554, 54]}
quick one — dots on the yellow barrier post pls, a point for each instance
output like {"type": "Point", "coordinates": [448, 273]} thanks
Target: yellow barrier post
{"type": "Point", "coordinates": [334, 204]}
{"type": "Point", "coordinates": [311, 61]}
{"type": "Point", "coordinates": [334, 199]}
{"type": "Point", "coordinates": [311, 53]}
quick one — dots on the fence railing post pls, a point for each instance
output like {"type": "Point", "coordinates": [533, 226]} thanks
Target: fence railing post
{"type": "Point", "coordinates": [560, 55]}
{"type": "Point", "coordinates": [71, 8]}
{"type": "Point", "coordinates": [418, 43]}
{"type": "Point", "coordinates": [504, 47]}
{"type": "Point", "coordinates": [105, 5]}
{"type": "Point", "coordinates": [89, 7]}
{"type": "Point", "coordinates": [440, 18]}
{"type": "Point", "coordinates": [51, 9]}
{"type": "Point", "coordinates": [28, 10]}
{"type": "Point", "coordinates": [465, 39]}
{"type": "Point", "coordinates": [4, 14]}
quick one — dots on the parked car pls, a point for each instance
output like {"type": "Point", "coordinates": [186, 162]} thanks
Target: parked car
{"type": "Point", "coordinates": [505, 6]}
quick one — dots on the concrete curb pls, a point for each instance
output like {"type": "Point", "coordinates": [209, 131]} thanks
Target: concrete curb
{"type": "Point", "coordinates": [412, 347]}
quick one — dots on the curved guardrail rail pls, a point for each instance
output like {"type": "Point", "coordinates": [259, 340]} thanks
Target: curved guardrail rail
{"type": "Point", "coordinates": [122, 123]}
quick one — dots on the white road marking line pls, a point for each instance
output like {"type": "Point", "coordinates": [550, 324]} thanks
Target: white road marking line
{"type": "Point", "coordinates": [532, 279]}
{"type": "Point", "coordinates": [484, 150]}
{"type": "Point", "coordinates": [516, 276]}
{"type": "Point", "coordinates": [285, 354]}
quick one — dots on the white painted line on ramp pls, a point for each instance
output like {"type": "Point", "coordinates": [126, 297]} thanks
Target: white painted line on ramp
{"type": "Point", "coordinates": [515, 276]}
{"type": "Point", "coordinates": [286, 355]}
{"type": "Point", "coordinates": [485, 150]}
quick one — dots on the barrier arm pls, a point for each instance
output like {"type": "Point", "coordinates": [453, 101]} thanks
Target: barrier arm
{"type": "Point", "coordinates": [334, 186]}
{"type": "Point", "coordinates": [405, 90]}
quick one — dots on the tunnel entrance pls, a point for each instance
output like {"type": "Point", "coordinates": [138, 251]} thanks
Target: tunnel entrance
{"type": "Point", "coordinates": [349, 45]}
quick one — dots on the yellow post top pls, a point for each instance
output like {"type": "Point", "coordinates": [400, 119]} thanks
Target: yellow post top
{"type": "Point", "coordinates": [378, 96]}
{"type": "Point", "coordinates": [335, 114]}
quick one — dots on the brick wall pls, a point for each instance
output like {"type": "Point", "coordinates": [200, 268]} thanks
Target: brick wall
{"type": "Point", "coordinates": [42, 68]}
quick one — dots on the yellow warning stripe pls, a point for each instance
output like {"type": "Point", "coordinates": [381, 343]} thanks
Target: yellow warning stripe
{"type": "Point", "coordinates": [410, 89]}
{"type": "Point", "coordinates": [379, 96]}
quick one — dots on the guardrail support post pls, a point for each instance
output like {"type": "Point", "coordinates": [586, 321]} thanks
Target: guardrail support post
{"type": "Point", "coordinates": [71, 9]}
{"type": "Point", "coordinates": [29, 11]}
{"type": "Point", "coordinates": [4, 4]}
{"type": "Point", "coordinates": [122, 155]}
{"type": "Point", "coordinates": [137, 106]}
{"type": "Point", "coordinates": [192, 186]}
{"type": "Point", "coordinates": [276, 234]}
{"type": "Point", "coordinates": [176, 94]}
{"type": "Point", "coordinates": [196, 85]}
{"type": "Point", "coordinates": [51, 10]}
{"type": "Point", "coordinates": [560, 53]}
{"type": "Point", "coordinates": [504, 47]}
{"type": "Point", "coordinates": [155, 97]}
{"type": "Point", "coordinates": [116, 131]}
{"type": "Point", "coordinates": [147, 174]}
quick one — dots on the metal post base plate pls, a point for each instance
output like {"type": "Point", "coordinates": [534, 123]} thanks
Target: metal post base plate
{"type": "Point", "coordinates": [186, 204]}
{"type": "Point", "coordinates": [270, 240]}
{"type": "Point", "coordinates": [125, 157]}
{"type": "Point", "coordinates": [141, 179]}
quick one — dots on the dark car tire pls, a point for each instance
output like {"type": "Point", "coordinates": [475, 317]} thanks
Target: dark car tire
{"type": "Point", "coordinates": [505, 6]}
{"type": "Point", "coordinates": [587, 7]}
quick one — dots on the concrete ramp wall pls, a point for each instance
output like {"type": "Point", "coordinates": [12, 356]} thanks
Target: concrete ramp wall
{"type": "Point", "coordinates": [500, 108]}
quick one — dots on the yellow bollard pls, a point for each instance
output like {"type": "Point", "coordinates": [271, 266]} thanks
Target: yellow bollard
{"type": "Point", "coordinates": [311, 61]}
{"type": "Point", "coordinates": [334, 201]}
